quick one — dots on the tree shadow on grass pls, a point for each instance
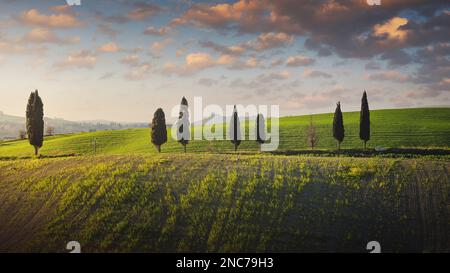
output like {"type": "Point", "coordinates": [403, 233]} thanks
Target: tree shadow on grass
{"type": "Point", "coordinates": [392, 152]}
{"type": "Point", "coordinates": [11, 158]}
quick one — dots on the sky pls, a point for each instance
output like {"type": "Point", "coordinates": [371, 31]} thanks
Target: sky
{"type": "Point", "coordinates": [121, 59]}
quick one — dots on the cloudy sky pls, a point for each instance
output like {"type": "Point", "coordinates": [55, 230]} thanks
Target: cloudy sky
{"type": "Point", "coordinates": [120, 60]}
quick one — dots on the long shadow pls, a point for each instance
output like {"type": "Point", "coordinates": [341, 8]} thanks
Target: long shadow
{"type": "Point", "coordinates": [11, 158]}
{"type": "Point", "coordinates": [9, 142]}
{"type": "Point", "coordinates": [393, 152]}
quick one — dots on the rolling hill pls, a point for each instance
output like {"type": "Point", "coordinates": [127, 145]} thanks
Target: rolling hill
{"type": "Point", "coordinates": [224, 203]}
{"type": "Point", "coordinates": [127, 198]}
{"type": "Point", "coordinates": [422, 127]}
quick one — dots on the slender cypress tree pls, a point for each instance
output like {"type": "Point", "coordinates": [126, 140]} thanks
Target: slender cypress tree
{"type": "Point", "coordinates": [260, 130]}
{"type": "Point", "coordinates": [183, 124]}
{"type": "Point", "coordinates": [235, 129]}
{"type": "Point", "coordinates": [338, 125]}
{"type": "Point", "coordinates": [364, 120]}
{"type": "Point", "coordinates": [159, 129]}
{"type": "Point", "coordinates": [35, 121]}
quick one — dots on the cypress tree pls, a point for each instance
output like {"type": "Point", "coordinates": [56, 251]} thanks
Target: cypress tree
{"type": "Point", "coordinates": [338, 125]}
{"type": "Point", "coordinates": [235, 129]}
{"type": "Point", "coordinates": [260, 129]}
{"type": "Point", "coordinates": [183, 124]}
{"type": "Point", "coordinates": [364, 120]}
{"type": "Point", "coordinates": [35, 121]}
{"type": "Point", "coordinates": [159, 129]}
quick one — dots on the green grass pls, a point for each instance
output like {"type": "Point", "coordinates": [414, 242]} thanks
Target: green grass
{"type": "Point", "coordinates": [130, 199]}
{"type": "Point", "coordinates": [425, 128]}
{"type": "Point", "coordinates": [218, 203]}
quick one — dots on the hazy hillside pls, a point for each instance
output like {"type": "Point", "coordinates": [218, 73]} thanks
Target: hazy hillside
{"type": "Point", "coordinates": [11, 125]}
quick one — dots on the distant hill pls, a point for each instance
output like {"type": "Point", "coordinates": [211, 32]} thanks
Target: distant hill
{"type": "Point", "coordinates": [11, 125]}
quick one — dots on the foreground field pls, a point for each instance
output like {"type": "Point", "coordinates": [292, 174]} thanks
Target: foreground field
{"type": "Point", "coordinates": [418, 128]}
{"type": "Point", "coordinates": [224, 203]}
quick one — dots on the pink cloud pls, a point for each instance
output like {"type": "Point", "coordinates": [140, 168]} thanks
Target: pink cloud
{"type": "Point", "coordinates": [271, 40]}
{"type": "Point", "coordinates": [392, 29]}
{"type": "Point", "coordinates": [157, 31]}
{"type": "Point", "coordinates": [159, 46]}
{"type": "Point", "coordinates": [143, 10]}
{"type": "Point", "coordinates": [81, 59]}
{"type": "Point", "coordinates": [394, 76]}
{"type": "Point", "coordinates": [43, 35]}
{"type": "Point", "coordinates": [108, 48]}
{"type": "Point", "coordinates": [62, 20]}
{"type": "Point", "coordinates": [195, 62]}
{"type": "Point", "coordinates": [299, 60]}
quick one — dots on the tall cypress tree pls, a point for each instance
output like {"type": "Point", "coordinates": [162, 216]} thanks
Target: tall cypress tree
{"type": "Point", "coordinates": [235, 129]}
{"type": "Point", "coordinates": [159, 129]}
{"type": "Point", "coordinates": [35, 121]}
{"type": "Point", "coordinates": [338, 125]}
{"type": "Point", "coordinates": [183, 124]}
{"type": "Point", "coordinates": [364, 120]}
{"type": "Point", "coordinates": [260, 129]}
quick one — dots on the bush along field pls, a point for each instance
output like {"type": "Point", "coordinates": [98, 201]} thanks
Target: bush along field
{"type": "Point", "coordinates": [224, 203]}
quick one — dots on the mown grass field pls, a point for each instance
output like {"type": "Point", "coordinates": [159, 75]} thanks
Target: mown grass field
{"type": "Point", "coordinates": [224, 203]}
{"type": "Point", "coordinates": [128, 198]}
{"type": "Point", "coordinates": [423, 128]}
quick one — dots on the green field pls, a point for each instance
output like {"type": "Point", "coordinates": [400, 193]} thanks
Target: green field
{"type": "Point", "coordinates": [128, 198]}
{"type": "Point", "coordinates": [423, 128]}
{"type": "Point", "coordinates": [219, 203]}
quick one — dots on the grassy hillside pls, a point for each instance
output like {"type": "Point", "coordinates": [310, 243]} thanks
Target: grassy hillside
{"type": "Point", "coordinates": [427, 127]}
{"type": "Point", "coordinates": [219, 203]}
{"type": "Point", "coordinates": [128, 198]}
